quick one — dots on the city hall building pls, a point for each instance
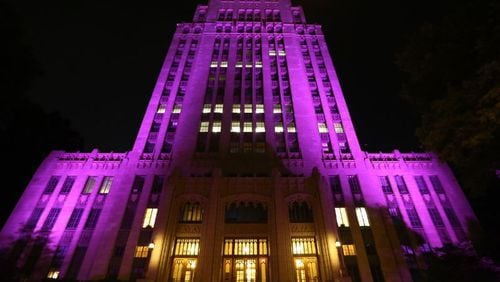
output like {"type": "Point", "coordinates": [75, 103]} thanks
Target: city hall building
{"type": "Point", "coordinates": [246, 167]}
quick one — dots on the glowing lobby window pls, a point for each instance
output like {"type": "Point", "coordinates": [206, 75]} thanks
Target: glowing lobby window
{"type": "Point", "coordinates": [341, 215]}
{"type": "Point", "coordinates": [161, 109]}
{"type": "Point", "coordinates": [53, 274]}
{"type": "Point", "coordinates": [141, 251]}
{"type": "Point", "coordinates": [305, 260]}
{"type": "Point", "coordinates": [348, 250]}
{"type": "Point", "coordinates": [278, 127]}
{"type": "Point", "coordinates": [106, 185]}
{"type": "Point", "coordinates": [248, 108]}
{"type": "Point", "coordinates": [235, 126]}
{"type": "Point", "coordinates": [322, 127]}
{"type": "Point", "coordinates": [362, 217]}
{"type": "Point", "coordinates": [277, 109]}
{"type": "Point", "coordinates": [259, 108]}
{"type": "Point", "coordinates": [207, 108]}
{"type": "Point", "coordinates": [185, 260]}
{"type": "Point", "coordinates": [218, 108]}
{"type": "Point", "coordinates": [177, 109]}
{"type": "Point", "coordinates": [204, 126]}
{"type": "Point", "coordinates": [149, 217]}
{"type": "Point", "coordinates": [338, 127]}
{"type": "Point", "coordinates": [187, 247]}
{"type": "Point", "coordinates": [245, 260]}
{"type": "Point", "coordinates": [291, 128]}
{"type": "Point", "coordinates": [259, 127]}
{"type": "Point", "coordinates": [247, 127]}
{"type": "Point", "coordinates": [89, 185]}
{"type": "Point", "coordinates": [236, 109]}
{"type": "Point", "coordinates": [216, 127]}
{"type": "Point", "coordinates": [191, 212]}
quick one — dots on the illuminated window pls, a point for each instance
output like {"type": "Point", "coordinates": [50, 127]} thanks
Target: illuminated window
{"type": "Point", "coordinates": [187, 247]}
{"type": "Point", "coordinates": [177, 109]}
{"type": "Point", "coordinates": [277, 109]}
{"type": "Point", "coordinates": [338, 127]}
{"type": "Point", "coordinates": [213, 64]}
{"type": "Point", "coordinates": [348, 250]}
{"type": "Point", "coordinates": [207, 108]}
{"type": "Point", "coordinates": [272, 53]}
{"type": "Point", "coordinates": [141, 251]}
{"type": "Point", "coordinates": [236, 108]}
{"type": "Point", "coordinates": [216, 126]}
{"type": "Point", "coordinates": [304, 246]}
{"type": "Point", "coordinates": [245, 260]}
{"type": "Point", "coordinates": [248, 65]}
{"type": "Point", "coordinates": [161, 109]}
{"type": "Point", "coordinates": [291, 128]}
{"type": "Point", "coordinates": [149, 217]}
{"type": "Point", "coordinates": [191, 212]}
{"type": "Point", "coordinates": [362, 217]}
{"type": "Point", "coordinates": [239, 64]}
{"type": "Point", "coordinates": [248, 108]}
{"type": "Point", "coordinates": [244, 247]}
{"type": "Point", "coordinates": [281, 53]}
{"type": "Point", "coordinates": [258, 64]}
{"type": "Point", "coordinates": [105, 185]}
{"type": "Point", "coordinates": [223, 64]}
{"type": "Point", "coordinates": [235, 126]}
{"type": "Point", "coordinates": [341, 215]}
{"type": "Point", "coordinates": [259, 108]}
{"type": "Point", "coordinates": [204, 126]}
{"type": "Point", "coordinates": [247, 127]}
{"type": "Point", "coordinates": [53, 274]}
{"type": "Point", "coordinates": [322, 127]}
{"type": "Point", "coordinates": [259, 127]}
{"type": "Point", "coordinates": [218, 108]}
{"type": "Point", "coordinates": [89, 185]}
{"type": "Point", "coordinates": [278, 127]}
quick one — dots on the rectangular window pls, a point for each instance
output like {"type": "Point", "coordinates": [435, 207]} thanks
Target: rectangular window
{"type": "Point", "coordinates": [161, 109]}
{"type": "Point", "coordinates": [157, 184]}
{"type": "Point", "coordinates": [272, 52]}
{"type": "Point", "coordinates": [362, 217]}
{"type": "Point", "coordinates": [138, 184]}
{"type": "Point", "coordinates": [341, 215]}
{"type": "Point", "coordinates": [51, 219]}
{"type": "Point", "coordinates": [204, 126]}
{"type": "Point", "coordinates": [400, 182]}
{"type": "Point", "coordinates": [259, 127]}
{"type": "Point", "coordinates": [74, 219]}
{"type": "Point", "coordinates": [304, 246]}
{"type": "Point", "coordinates": [53, 274]}
{"type": "Point", "coordinates": [216, 127]}
{"type": "Point", "coordinates": [247, 127]}
{"type": "Point", "coordinates": [422, 186]}
{"type": "Point", "coordinates": [34, 217]}
{"type": "Point", "coordinates": [386, 185]}
{"type": "Point", "coordinates": [322, 127]}
{"type": "Point", "coordinates": [354, 184]}
{"type": "Point", "coordinates": [258, 64]}
{"type": "Point", "coordinates": [106, 185]}
{"type": "Point", "coordinates": [259, 108]}
{"type": "Point", "coordinates": [219, 108]}
{"type": "Point", "coordinates": [291, 128]}
{"type": "Point", "coordinates": [213, 64]}
{"type": "Point", "coordinates": [414, 219]}
{"type": "Point", "coordinates": [141, 251]}
{"type": "Point", "coordinates": [335, 184]}
{"type": "Point", "coordinates": [187, 247]}
{"type": "Point", "coordinates": [92, 219]}
{"type": "Point", "coordinates": [248, 108]}
{"type": "Point", "coordinates": [89, 185]}
{"type": "Point", "coordinates": [149, 217]}
{"type": "Point", "coordinates": [67, 185]}
{"type": "Point", "coordinates": [338, 127]}
{"type": "Point", "coordinates": [281, 53]}
{"type": "Point", "coordinates": [236, 109]}
{"type": "Point", "coordinates": [244, 247]}
{"type": "Point", "coordinates": [235, 126]}
{"type": "Point", "coordinates": [207, 108]}
{"type": "Point", "coordinates": [348, 250]}
{"type": "Point", "coordinates": [436, 217]}
{"type": "Point", "coordinates": [438, 187]}
{"type": "Point", "coordinates": [51, 185]}
{"type": "Point", "coordinates": [223, 64]}
{"type": "Point", "coordinates": [277, 109]}
{"type": "Point", "coordinates": [177, 109]}
{"type": "Point", "coordinates": [278, 127]}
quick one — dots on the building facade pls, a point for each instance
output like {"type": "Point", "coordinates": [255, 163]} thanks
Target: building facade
{"type": "Point", "coordinates": [246, 167]}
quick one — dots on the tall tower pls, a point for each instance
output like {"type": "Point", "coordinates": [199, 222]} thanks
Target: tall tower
{"type": "Point", "coordinates": [246, 167]}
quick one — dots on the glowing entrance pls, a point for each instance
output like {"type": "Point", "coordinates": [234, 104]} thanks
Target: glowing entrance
{"type": "Point", "coordinates": [185, 260]}
{"type": "Point", "coordinates": [245, 260]}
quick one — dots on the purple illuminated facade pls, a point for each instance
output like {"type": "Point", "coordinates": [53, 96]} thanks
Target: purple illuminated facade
{"type": "Point", "coordinates": [246, 167]}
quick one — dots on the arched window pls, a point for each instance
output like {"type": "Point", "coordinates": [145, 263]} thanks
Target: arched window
{"type": "Point", "coordinates": [191, 212]}
{"type": "Point", "coordinates": [246, 213]}
{"type": "Point", "coordinates": [300, 212]}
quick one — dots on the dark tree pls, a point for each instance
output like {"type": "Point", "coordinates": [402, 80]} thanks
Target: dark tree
{"type": "Point", "coordinates": [452, 76]}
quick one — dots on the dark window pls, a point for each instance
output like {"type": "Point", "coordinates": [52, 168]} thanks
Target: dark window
{"type": "Point", "coordinates": [452, 217]}
{"type": "Point", "coordinates": [245, 213]}
{"type": "Point", "coordinates": [386, 185]}
{"type": "Point", "coordinates": [68, 184]}
{"type": "Point", "coordinates": [74, 219]}
{"type": "Point", "coordinates": [92, 218]}
{"type": "Point", "coordinates": [436, 184]}
{"type": "Point", "coordinates": [422, 186]}
{"type": "Point", "coordinates": [51, 219]}
{"type": "Point", "coordinates": [34, 217]}
{"type": "Point", "coordinates": [400, 182]}
{"type": "Point", "coordinates": [436, 217]}
{"type": "Point", "coordinates": [157, 184]}
{"type": "Point", "coordinates": [138, 184]}
{"type": "Point", "coordinates": [51, 185]}
{"type": "Point", "coordinates": [354, 184]}
{"type": "Point", "coordinates": [414, 219]}
{"type": "Point", "coordinates": [300, 212]}
{"type": "Point", "coordinates": [335, 184]}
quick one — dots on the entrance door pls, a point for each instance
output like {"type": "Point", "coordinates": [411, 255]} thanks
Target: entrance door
{"type": "Point", "coordinates": [183, 269]}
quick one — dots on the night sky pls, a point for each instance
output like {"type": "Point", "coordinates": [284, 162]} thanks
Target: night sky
{"type": "Point", "coordinates": [101, 59]}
